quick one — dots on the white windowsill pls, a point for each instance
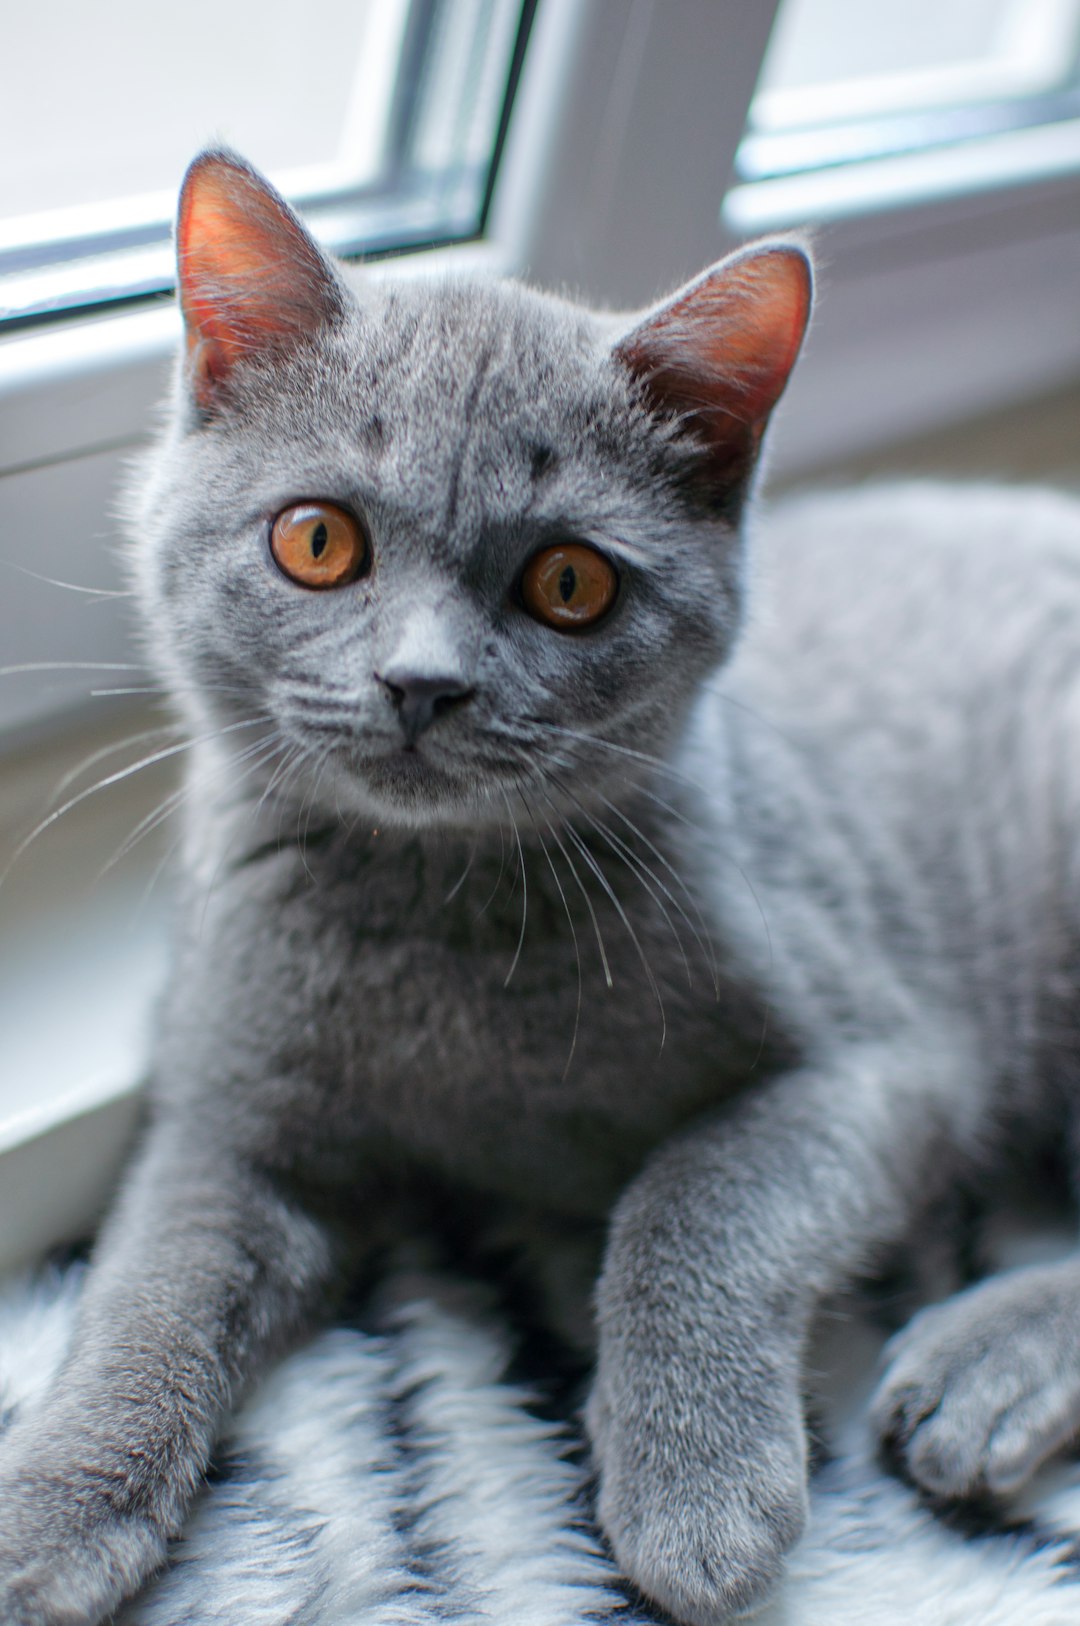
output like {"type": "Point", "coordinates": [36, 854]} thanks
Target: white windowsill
{"type": "Point", "coordinates": [83, 952]}
{"type": "Point", "coordinates": [908, 180]}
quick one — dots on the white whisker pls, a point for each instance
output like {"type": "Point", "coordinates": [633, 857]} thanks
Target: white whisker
{"type": "Point", "coordinates": [71, 587]}
{"type": "Point", "coordinates": [107, 694]}
{"type": "Point", "coordinates": [646, 758]}
{"type": "Point", "coordinates": [637, 867]}
{"type": "Point", "coordinates": [570, 923]}
{"type": "Point", "coordinates": [524, 892]}
{"type": "Point", "coordinates": [69, 666]}
{"type": "Point", "coordinates": [462, 878]}
{"type": "Point", "coordinates": [117, 778]}
{"type": "Point", "coordinates": [110, 750]}
{"type": "Point", "coordinates": [249, 759]}
{"type": "Point", "coordinates": [591, 861]}
{"type": "Point", "coordinates": [583, 889]}
{"type": "Point", "coordinates": [490, 899]}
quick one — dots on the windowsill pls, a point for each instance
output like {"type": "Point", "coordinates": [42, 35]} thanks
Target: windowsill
{"type": "Point", "coordinates": [83, 951]}
{"type": "Point", "coordinates": [940, 175]}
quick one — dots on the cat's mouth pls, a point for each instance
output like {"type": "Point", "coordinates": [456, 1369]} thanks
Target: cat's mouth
{"type": "Point", "coordinates": [419, 785]}
{"type": "Point", "coordinates": [438, 776]}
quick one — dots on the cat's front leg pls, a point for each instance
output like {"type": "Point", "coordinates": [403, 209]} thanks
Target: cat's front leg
{"type": "Point", "coordinates": [202, 1270]}
{"type": "Point", "coordinates": [718, 1254]}
{"type": "Point", "coordinates": [980, 1390]}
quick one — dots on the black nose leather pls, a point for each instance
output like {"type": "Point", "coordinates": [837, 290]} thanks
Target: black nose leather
{"type": "Point", "coordinates": [420, 698]}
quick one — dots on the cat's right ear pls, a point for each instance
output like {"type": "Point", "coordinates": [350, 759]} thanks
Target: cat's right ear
{"type": "Point", "coordinates": [715, 357]}
{"type": "Point", "coordinates": [250, 276]}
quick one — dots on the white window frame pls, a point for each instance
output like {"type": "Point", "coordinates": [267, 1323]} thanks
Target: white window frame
{"type": "Point", "coordinates": [623, 135]}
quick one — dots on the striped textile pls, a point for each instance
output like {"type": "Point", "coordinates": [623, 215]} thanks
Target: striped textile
{"type": "Point", "coordinates": [418, 1467]}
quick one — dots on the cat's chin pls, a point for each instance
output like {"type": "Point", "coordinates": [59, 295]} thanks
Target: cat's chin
{"type": "Point", "coordinates": [409, 791]}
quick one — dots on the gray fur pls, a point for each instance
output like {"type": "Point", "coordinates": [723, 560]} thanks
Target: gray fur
{"type": "Point", "coordinates": [829, 867]}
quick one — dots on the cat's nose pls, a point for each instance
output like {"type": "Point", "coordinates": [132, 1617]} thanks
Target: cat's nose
{"type": "Point", "coordinates": [421, 697]}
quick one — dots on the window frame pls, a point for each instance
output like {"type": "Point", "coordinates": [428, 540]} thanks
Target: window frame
{"type": "Point", "coordinates": [86, 260]}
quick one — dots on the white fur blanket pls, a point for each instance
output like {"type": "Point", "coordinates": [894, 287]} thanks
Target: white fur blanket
{"type": "Point", "coordinates": [409, 1474]}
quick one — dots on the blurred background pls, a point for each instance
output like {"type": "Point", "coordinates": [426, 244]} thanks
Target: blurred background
{"type": "Point", "coordinates": [608, 147]}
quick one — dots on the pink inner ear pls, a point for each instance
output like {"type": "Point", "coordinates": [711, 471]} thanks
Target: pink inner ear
{"type": "Point", "coordinates": [249, 275]}
{"type": "Point", "coordinates": [722, 350]}
{"type": "Point", "coordinates": [756, 319]}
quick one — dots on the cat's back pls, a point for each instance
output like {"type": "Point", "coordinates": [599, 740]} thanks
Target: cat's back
{"type": "Point", "coordinates": [897, 626]}
{"type": "Point", "coordinates": [903, 718]}
{"type": "Point", "coordinates": [916, 586]}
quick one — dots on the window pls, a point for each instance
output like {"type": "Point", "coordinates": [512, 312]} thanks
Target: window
{"type": "Point", "coordinates": [381, 118]}
{"type": "Point", "coordinates": [861, 108]}
{"type": "Point", "coordinates": [935, 147]}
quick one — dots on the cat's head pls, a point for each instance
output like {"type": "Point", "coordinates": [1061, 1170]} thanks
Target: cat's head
{"type": "Point", "coordinates": [452, 541]}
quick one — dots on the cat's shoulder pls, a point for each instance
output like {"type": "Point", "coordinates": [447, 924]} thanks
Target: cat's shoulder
{"type": "Point", "coordinates": [926, 515]}
{"type": "Point", "coordinates": [896, 585]}
{"type": "Point", "coordinates": [915, 542]}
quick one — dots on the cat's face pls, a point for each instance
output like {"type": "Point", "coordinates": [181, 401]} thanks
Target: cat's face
{"type": "Point", "coordinates": [444, 538]}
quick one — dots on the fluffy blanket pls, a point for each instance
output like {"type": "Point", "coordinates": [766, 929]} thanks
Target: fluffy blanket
{"type": "Point", "coordinates": [421, 1466]}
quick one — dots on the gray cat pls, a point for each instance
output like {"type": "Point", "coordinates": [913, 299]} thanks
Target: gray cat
{"type": "Point", "coordinates": [498, 895]}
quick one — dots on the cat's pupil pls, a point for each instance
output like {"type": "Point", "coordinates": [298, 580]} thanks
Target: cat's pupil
{"type": "Point", "coordinates": [319, 539]}
{"type": "Point", "coordinates": [567, 583]}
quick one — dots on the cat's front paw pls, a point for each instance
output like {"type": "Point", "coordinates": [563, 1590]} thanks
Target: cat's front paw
{"type": "Point", "coordinates": [700, 1507]}
{"type": "Point", "coordinates": [67, 1560]}
{"type": "Point", "coordinates": [982, 1389]}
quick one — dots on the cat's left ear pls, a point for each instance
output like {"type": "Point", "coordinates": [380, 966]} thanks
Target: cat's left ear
{"type": "Point", "coordinates": [716, 355]}
{"type": "Point", "coordinates": [251, 278]}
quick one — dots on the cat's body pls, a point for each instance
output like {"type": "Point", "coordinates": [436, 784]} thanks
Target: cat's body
{"type": "Point", "coordinates": [829, 865]}
{"type": "Point", "coordinates": [557, 922]}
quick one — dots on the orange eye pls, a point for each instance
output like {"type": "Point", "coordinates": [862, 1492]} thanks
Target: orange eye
{"type": "Point", "coordinates": [569, 585]}
{"type": "Point", "coordinates": [319, 545]}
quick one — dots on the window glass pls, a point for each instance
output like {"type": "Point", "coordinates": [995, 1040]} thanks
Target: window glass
{"type": "Point", "coordinates": [380, 118]}
{"type": "Point", "coordinates": [306, 89]}
{"type": "Point", "coordinates": [844, 81]}
{"type": "Point", "coordinates": [837, 58]}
